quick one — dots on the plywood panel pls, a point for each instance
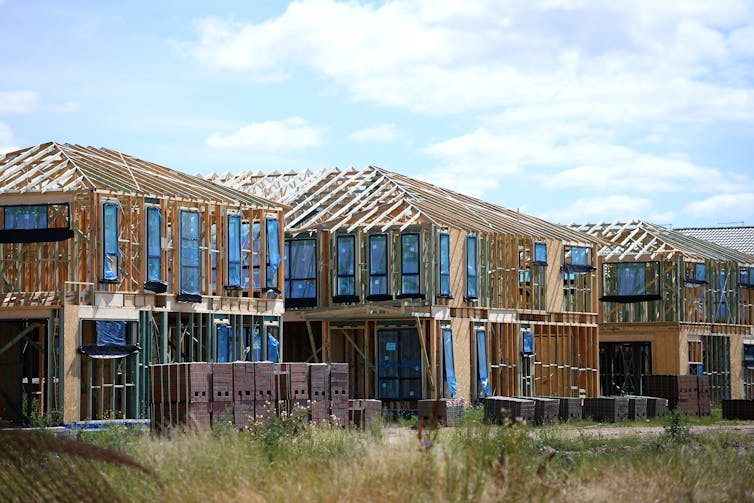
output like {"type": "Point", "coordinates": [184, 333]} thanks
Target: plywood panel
{"type": "Point", "coordinates": [71, 364]}
{"type": "Point", "coordinates": [665, 339]}
{"type": "Point", "coordinates": [462, 346]}
{"type": "Point", "coordinates": [554, 281]}
{"type": "Point", "coordinates": [457, 267]}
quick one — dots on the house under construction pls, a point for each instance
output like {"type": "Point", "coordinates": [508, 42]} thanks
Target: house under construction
{"type": "Point", "coordinates": [428, 293]}
{"type": "Point", "coordinates": [109, 263]}
{"type": "Point", "coordinates": [673, 304]}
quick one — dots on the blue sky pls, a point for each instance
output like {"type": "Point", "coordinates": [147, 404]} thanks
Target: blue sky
{"type": "Point", "coordinates": [568, 110]}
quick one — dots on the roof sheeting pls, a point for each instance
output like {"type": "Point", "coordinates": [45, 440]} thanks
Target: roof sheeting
{"type": "Point", "coordinates": [61, 167]}
{"type": "Point", "coordinates": [738, 238]}
{"type": "Point", "coordinates": [636, 239]}
{"type": "Point", "coordinates": [375, 198]}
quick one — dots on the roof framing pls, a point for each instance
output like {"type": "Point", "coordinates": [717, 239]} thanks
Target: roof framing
{"type": "Point", "coordinates": [62, 167]}
{"type": "Point", "coordinates": [378, 198]}
{"type": "Point", "coordinates": [636, 239]}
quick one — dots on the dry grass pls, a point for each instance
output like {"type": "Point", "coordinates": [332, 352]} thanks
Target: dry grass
{"type": "Point", "coordinates": [472, 463]}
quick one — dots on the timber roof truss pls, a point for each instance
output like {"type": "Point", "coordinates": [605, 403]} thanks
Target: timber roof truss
{"type": "Point", "coordinates": [62, 167]}
{"type": "Point", "coordinates": [639, 240]}
{"type": "Point", "coordinates": [375, 198]}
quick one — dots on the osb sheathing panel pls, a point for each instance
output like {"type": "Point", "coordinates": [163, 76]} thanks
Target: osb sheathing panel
{"type": "Point", "coordinates": [462, 356]}
{"type": "Point", "coordinates": [554, 281]}
{"type": "Point", "coordinates": [736, 369]}
{"type": "Point", "coordinates": [71, 364]}
{"type": "Point", "coordinates": [735, 334]}
{"type": "Point", "coordinates": [669, 346]}
{"type": "Point", "coordinates": [457, 268]}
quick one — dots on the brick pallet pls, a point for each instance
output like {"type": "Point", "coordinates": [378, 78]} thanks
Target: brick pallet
{"type": "Point", "coordinates": [688, 393]}
{"type": "Point", "coordinates": [339, 392]}
{"type": "Point", "coordinates": [265, 389]}
{"type": "Point", "coordinates": [656, 406]}
{"type": "Point", "coordinates": [637, 408]}
{"type": "Point", "coordinates": [505, 410]}
{"type": "Point", "coordinates": [319, 378]}
{"type": "Point", "coordinates": [243, 382]}
{"type": "Point", "coordinates": [363, 413]}
{"type": "Point", "coordinates": [445, 411]}
{"type": "Point", "coordinates": [291, 385]}
{"type": "Point", "coordinates": [546, 410]}
{"type": "Point", "coordinates": [569, 408]}
{"type": "Point", "coordinates": [608, 409]}
{"type": "Point", "coordinates": [222, 382]}
{"type": "Point", "coordinates": [180, 395]}
{"type": "Point", "coordinates": [738, 409]}
{"type": "Point", "coordinates": [180, 382]}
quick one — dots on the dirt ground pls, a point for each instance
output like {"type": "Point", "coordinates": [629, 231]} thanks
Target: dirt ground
{"type": "Point", "coordinates": [399, 435]}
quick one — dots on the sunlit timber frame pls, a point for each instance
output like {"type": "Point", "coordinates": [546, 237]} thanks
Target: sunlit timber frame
{"type": "Point", "coordinates": [684, 299]}
{"type": "Point", "coordinates": [56, 282]}
{"type": "Point", "coordinates": [387, 323]}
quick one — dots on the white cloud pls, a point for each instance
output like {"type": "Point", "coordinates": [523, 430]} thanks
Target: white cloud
{"type": "Point", "coordinates": [67, 107]}
{"type": "Point", "coordinates": [293, 133]}
{"type": "Point", "coordinates": [615, 207]}
{"type": "Point", "coordinates": [18, 102]}
{"type": "Point", "coordinates": [382, 133]}
{"type": "Point", "coordinates": [603, 61]}
{"type": "Point", "coordinates": [6, 139]}
{"type": "Point", "coordinates": [723, 207]}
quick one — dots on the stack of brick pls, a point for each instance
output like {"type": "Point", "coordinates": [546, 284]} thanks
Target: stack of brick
{"type": "Point", "coordinates": [570, 408]}
{"type": "Point", "coordinates": [637, 407]}
{"type": "Point", "coordinates": [264, 389]}
{"type": "Point", "coordinates": [505, 410]}
{"type": "Point", "coordinates": [611, 409]}
{"type": "Point", "coordinates": [222, 392]}
{"type": "Point", "coordinates": [738, 409]}
{"type": "Point", "coordinates": [363, 413]}
{"type": "Point", "coordinates": [339, 392]}
{"type": "Point", "coordinates": [656, 407]}
{"type": "Point", "coordinates": [243, 393]}
{"type": "Point", "coordinates": [179, 395]}
{"type": "Point", "coordinates": [298, 385]}
{"type": "Point", "coordinates": [319, 380]}
{"type": "Point", "coordinates": [546, 410]}
{"type": "Point", "coordinates": [689, 394]}
{"type": "Point", "coordinates": [445, 411]}
{"type": "Point", "coordinates": [704, 395]}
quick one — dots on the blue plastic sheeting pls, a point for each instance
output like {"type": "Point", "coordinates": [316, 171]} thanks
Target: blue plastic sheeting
{"type": "Point", "coordinates": [110, 332]}
{"type": "Point", "coordinates": [234, 250]}
{"type": "Point", "coordinates": [346, 265]}
{"type": "Point", "coordinates": [255, 238]}
{"type": "Point", "coordinates": [450, 368]}
{"type": "Point", "coordinates": [445, 264]}
{"type": "Point", "coordinates": [154, 253]}
{"type": "Point", "coordinates": [256, 345]}
{"type": "Point", "coordinates": [631, 278]}
{"type": "Point", "coordinates": [540, 253]}
{"type": "Point", "coordinates": [302, 278]}
{"type": "Point", "coordinates": [528, 342]}
{"type": "Point", "coordinates": [481, 350]}
{"type": "Point", "coordinates": [579, 255]}
{"type": "Point", "coordinates": [190, 255]}
{"type": "Point", "coordinates": [110, 236]}
{"type": "Point", "coordinates": [700, 272]}
{"type": "Point", "coordinates": [25, 217]}
{"type": "Point", "coordinates": [409, 263]}
{"type": "Point", "coordinates": [273, 349]}
{"type": "Point", "coordinates": [471, 272]}
{"type": "Point", "coordinates": [273, 251]}
{"type": "Point", "coordinates": [223, 343]}
{"type": "Point", "coordinates": [378, 264]}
